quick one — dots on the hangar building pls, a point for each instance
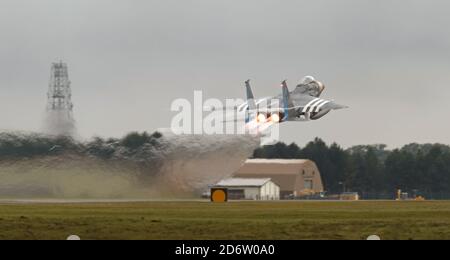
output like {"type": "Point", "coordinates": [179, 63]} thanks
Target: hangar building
{"type": "Point", "coordinates": [296, 178]}
{"type": "Point", "coordinates": [250, 189]}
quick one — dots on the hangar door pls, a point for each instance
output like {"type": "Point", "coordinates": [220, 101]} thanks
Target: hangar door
{"type": "Point", "coordinates": [238, 194]}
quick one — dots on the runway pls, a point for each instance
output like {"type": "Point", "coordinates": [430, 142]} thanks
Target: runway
{"type": "Point", "coordinates": [89, 201]}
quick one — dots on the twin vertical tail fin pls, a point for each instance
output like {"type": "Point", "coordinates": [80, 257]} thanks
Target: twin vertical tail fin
{"type": "Point", "coordinates": [250, 101]}
{"type": "Point", "coordinates": [287, 102]}
{"type": "Point", "coordinates": [286, 105]}
{"type": "Point", "coordinates": [250, 97]}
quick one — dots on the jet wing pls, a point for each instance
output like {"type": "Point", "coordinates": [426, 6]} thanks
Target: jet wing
{"type": "Point", "coordinates": [309, 104]}
{"type": "Point", "coordinates": [333, 106]}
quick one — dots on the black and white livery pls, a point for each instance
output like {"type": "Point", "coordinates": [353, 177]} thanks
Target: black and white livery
{"type": "Point", "coordinates": [302, 104]}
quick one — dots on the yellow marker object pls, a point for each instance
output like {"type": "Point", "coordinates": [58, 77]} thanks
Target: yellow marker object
{"type": "Point", "coordinates": [219, 195]}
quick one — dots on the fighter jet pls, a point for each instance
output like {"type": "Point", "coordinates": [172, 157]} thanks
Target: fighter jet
{"type": "Point", "coordinates": [301, 104]}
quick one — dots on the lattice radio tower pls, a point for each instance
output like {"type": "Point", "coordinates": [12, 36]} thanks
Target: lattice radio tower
{"type": "Point", "coordinates": [60, 119]}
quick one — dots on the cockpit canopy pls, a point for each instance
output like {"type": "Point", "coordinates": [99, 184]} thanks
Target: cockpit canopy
{"type": "Point", "coordinates": [310, 86]}
{"type": "Point", "coordinates": [307, 80]}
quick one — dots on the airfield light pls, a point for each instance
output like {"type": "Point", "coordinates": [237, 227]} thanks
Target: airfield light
{"type": "Point", "coordinates": [261, 118]}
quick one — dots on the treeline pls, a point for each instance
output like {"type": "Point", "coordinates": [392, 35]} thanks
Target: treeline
{"type": "Point", "coordinates": [15, 145]}
{"type": "Point", "coordinates": [372, 170]}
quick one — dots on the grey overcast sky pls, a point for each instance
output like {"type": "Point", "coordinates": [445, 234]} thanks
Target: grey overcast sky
{"type": "Point", "coordinates": [388, 60]}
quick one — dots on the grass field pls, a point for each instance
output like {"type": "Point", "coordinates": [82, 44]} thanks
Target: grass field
{"type": "Point", "coordinates": [238, 220]}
